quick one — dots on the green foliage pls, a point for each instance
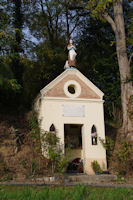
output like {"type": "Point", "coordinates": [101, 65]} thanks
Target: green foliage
{"type": "Point", "coordinates": [11, 68]}
{"type": "Point", "coordinates": [51, 58]}
{"type": "Point", "coordinates": [99, 7]}
{"type": "Point", "coordinates": [35, 132]}
{"type": "Point", "coordinates": [10, 89]}
{"type": "Point", "coordinates": [8, 178]}
{"type": "Point", "coordinates": [121, 155]}
{"type": "Point", "coordinates": [7, 81]}
{"type": "Point", "coordinates": [123, 158]}
{"type": "Point", "coordinates": [7, 36]}
{"type": "Point", "coordinates": [64, 160]}
{"type": "Point", "coordinates": [31, 84]}
{"type": "Point", "coordinates": [23, 163]}
{"type": "Point", "coordinates": [108, 144]}
{"type": "Point", "coordinates": [105, 10]}
{"type": "Point", "coordinates": [80, 192]}
{"type": "Point", "coordinates": [53, 150]}
{"type": "Point", "coordinates": [96, 167]}
{"type": "Point", "coordinates": [51, 139]}
{"type": "Point", "coordinates": [97, 60]}
{"type": "Point", "coordinates": [50, 144]}
{"type": "Point", "coordinates": [124, 152]}
{"type": "Point", "coordinates": [46, 58]}
{"type": "Point", "coordinates": [34, 167]}
{"type": "Point", "coordinates": [33, 123]}
{"type": "Point", "coordinates": [31, 167]}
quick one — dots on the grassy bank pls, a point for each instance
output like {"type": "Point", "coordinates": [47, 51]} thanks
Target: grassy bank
{"type": "Point", "coordinates": [64, 193]}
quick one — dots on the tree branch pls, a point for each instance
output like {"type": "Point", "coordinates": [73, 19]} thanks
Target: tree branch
{"type": "Point", "coordinates": [74, 27]}
{"type": "Point", "coordinates": [75, 8]}
{"type": "Point", "coordinates": [42, 7]}
{"type": "Point", "coordinates": [110, 21]}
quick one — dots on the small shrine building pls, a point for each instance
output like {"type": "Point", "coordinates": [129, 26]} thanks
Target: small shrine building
{"type": "Point", "coordinates": [72, 106]}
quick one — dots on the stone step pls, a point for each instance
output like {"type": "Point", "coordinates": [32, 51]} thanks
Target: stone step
{"type": "Point", "coordinates": [92, 178]}
{"type": "Point", "coordinates": [78, 178]}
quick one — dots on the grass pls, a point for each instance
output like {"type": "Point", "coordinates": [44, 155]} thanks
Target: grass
{"type": "Point", "coordinates": [79, 192]}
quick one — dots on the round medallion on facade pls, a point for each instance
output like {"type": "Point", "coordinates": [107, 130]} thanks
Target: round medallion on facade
{"type": "Point", "coordinates": [72, 88]}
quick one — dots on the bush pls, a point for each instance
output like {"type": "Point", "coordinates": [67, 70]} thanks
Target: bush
{"type": "Point", "coordinates": [96, 167]}
{"type": "Point", "coordinates": [108, 144]}
{"type": "Point", "coordinates": [121, 156]}
{"type": "Point", "coordinates": [54, 151]}
{"type": "Point", "coordinates": [35, 132]}
{"type": "Point", "coordinates": [50, 144]}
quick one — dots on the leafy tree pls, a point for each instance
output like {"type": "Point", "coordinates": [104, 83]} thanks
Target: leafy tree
{"type": "Point", "coordinates": [45, 22]}
{"type": "Point", "coordinates": [32, 81]}
{"type": "Point", "coordinates": [112, 12]}
{"type": "Point", "coordinates": [16, 47]}
{"type": "Point", "coordinates": [6, 30]}
{"type": "Point", "coordinates": [97, 60]}
{"type": "Point", "coordinates": [9, 86]}
{"type": "Point", "coordinates": [51, 59]}
{"type": "Point", "coordinates": [51, 19]}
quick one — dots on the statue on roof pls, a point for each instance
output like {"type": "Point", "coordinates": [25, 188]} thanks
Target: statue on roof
{"type": "Point", "coordinates": [71, 49]}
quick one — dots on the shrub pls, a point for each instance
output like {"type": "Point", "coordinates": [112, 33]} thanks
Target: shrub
{"type": "Point", "coordinates": [108, 144]}
{"type": "Point", "coordinates": [96, 167]}
{"type": "Point", "coordinates": [35, 132]}
{"type": "Point", "coordinates": [54, 151]}
{"type": "Point", "coordinates": [123, 157]}
{"type": "Point", "coordinates": [120, 156]}
{"type": "Point", "coordinates": [50, 144]}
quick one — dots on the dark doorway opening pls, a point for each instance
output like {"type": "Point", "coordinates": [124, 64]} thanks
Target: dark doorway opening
{"type": "Point", "coordinates": [73, 136]}
{"type": "Point", "coordinates": [73, 140]}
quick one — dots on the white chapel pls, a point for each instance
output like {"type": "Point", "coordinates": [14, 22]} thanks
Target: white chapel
{"type": "Point", "coordinates": [72, 106]}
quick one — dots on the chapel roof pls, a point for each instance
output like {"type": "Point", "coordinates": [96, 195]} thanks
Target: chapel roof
{"type": "Point", "coordinates": [72, 84]}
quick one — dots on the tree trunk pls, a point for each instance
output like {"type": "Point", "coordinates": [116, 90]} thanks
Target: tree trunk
{"type": "Point", "coordinates": [124, 68]}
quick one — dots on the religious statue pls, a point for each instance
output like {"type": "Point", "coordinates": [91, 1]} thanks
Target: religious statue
{"type": "Point", "coordinates": [71, 49]}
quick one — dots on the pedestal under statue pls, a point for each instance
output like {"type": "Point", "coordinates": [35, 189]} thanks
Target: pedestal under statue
{"type": "Point", "coordinates": [71, 49]}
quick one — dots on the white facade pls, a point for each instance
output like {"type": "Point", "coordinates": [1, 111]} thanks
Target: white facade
{"type": "Point", "coordinates": [81, 104]}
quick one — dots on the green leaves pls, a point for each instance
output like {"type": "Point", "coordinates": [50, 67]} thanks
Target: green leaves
{"type": "Point", "coordinates": [97, 7]}
{"type": "Point", "coordinates": [53, 149]}
{"type": "Point", "coordinates": [97, 60]}
{"type": "Point", "coordinates": [7, 80]}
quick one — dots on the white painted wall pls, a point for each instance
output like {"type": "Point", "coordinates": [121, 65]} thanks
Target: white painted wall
{"type": "Point", "coordinates": [51, 113]}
